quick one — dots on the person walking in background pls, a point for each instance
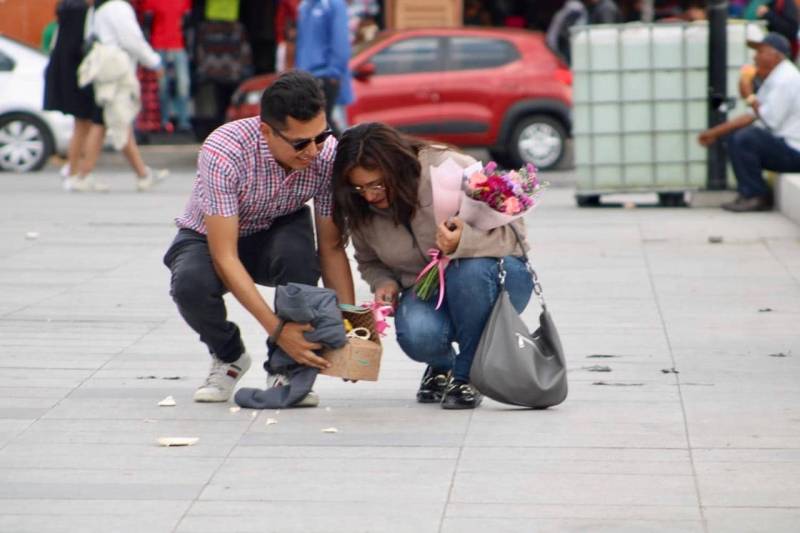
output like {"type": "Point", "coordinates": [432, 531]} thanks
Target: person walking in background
{"type": "Point", "coordinates": [476, 14]}
{"type": "Point", "coordinates": [61, 92]}
{"type": "Point", "coordinates": [113, 23]}
{"type": "Point", "coordinates": [362, 16]}
{"type": "Point", "coordinates": [750, 11]}
{"type": "Point", "coordinates": [383, 198]}
{"type": "Point", "coordinates": [695, 11]}
{"type": "Point", "coordinates": [768, 137]}
{"type": "Point", "coordinates": [168, 41]}
{"type": "Point", "coordinates": [781, 17]}
{"type": "Point", "coordinates": [285, 34]}
{"type": "Point", "coordinates": [49, 34]}
{"type": "Point", "coordinates": [247, 223]}
{"type": "Point", "coordinates": [323, 47]}
{"type": "Point", "coordinates": [573, 13]}
{"type": "Point", "coordinates": [603, 12]}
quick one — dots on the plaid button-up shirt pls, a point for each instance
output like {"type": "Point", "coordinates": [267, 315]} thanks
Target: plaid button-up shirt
{"type": "Point", "coordinates": [237, 175]}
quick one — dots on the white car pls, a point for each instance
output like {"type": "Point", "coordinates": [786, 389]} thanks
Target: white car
{"type": "Point", "coordinates": [28, 134]}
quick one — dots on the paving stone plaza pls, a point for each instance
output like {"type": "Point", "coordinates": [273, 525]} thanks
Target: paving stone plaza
{"type": "Point", "coordinates": [683, 354]}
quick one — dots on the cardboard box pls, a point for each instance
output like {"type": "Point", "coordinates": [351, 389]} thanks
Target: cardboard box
{"type": "Point", "coordinates": [359, 359]}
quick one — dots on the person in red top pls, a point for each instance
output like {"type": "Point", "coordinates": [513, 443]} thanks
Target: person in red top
{"type": "Point", "coordinates": [285, 34]}
{"type": "Point", "coordinates": [167, 39]}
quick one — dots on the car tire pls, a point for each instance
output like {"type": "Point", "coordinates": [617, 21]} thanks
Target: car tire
{"type": "Point", "coordinates": [25, 143]}
{"type": "Point", "coordinates": [538, 139]}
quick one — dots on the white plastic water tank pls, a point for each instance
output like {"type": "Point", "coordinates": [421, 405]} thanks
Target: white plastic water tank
{"type": "Point", "coordinates": [640, 101]}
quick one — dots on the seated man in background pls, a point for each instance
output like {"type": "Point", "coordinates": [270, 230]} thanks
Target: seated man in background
{"type": "Point", "coordinates": [768, 137]}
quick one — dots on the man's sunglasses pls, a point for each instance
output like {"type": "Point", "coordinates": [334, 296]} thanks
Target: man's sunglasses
{"type": "Point", "coordinates": [301, 144]}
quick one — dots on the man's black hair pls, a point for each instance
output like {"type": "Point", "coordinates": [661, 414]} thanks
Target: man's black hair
{"type": "Point", "coordinates": [295, 94]}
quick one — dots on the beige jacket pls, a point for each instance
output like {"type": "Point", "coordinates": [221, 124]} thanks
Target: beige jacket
{"type": "Point", "coordinates": [116, 89]}
{"type": "Point", "coordinates": [385, 251]}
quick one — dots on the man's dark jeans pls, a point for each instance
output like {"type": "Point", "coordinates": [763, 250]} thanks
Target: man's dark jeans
{"type": "Point", "coordinates": [330, 86]}
{"type": "Point", "coordinates": [752, 150]}
{"type": "Point", "coordinates": [282, 254]}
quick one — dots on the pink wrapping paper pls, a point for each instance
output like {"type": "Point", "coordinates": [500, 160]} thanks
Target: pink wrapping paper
{"type": "Point", "coordinates": [446, 180]}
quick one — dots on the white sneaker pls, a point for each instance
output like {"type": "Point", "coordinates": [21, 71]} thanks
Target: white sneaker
{"type": "Point", "coordinates": [279, 380]}
{"type": "Point", "coordinates": [85, 184]}
{"type": "Point", "coordinates": [222, 378]}
{"type": "Point", "coordinates": [151, 179]}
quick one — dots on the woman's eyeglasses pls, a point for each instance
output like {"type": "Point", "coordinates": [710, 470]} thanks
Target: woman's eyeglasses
{"type": "Point", "coordinates": [301, 144]}
{"type": "Point", "coordinates": [374, 188]}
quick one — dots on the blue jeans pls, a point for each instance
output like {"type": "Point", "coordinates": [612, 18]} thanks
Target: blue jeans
{"type": "Point", "coordinates": [753, 149]}
{"type": "Point", "coordinates": [471, 289]}
{"type": "Point", "coordinates": [176, 66]}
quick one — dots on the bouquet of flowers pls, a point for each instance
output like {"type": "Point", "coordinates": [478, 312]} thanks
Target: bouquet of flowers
{"type": "Point", "coordinates": [482, 196]}
{"type": "Point", "coordinates": [494, 198]}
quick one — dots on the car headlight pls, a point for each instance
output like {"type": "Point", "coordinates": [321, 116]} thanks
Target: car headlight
{"type": "Point", "coordinates": [246, 98]}
{"type": "Point", "coordinates": [252, 97]}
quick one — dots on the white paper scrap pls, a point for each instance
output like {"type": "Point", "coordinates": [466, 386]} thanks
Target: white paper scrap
{"type": "Point", "coordinates": [330, 430]}
{"type": "Point", "coordinates": [169, 401]}
{"type": "Point", "coordinates": [32, 235]}
{"type": "Point", "coordinates": [235, 409]}
{"type": "Point", "coordinates": [271, 421]}
{"type": "Point", "coordinates": [177, 441]}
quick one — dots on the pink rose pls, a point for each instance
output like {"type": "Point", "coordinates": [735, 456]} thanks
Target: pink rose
{"type": "Point", "coordinates": [476, 180]}
{"type": "Point", "coordinates": [512, 206]}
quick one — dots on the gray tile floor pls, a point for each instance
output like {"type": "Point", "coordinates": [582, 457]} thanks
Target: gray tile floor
{"type": "Point", "coordinates": [90, 342]}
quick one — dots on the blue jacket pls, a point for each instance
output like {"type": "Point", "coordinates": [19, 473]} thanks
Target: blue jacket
{"type": "Point", "coordinates": [323, 40]}
{"type": "Point", "coordinates": [296, 302]}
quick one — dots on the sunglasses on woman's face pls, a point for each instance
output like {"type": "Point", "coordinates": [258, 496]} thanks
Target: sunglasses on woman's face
{"type": "Point", "coordinates": [301, 144]}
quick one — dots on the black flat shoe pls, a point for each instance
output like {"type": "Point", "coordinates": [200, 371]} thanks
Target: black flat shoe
{"type": "Point", "coordinates": [432, 386]}
{"type": "Point", "coordinates": [460, 395]}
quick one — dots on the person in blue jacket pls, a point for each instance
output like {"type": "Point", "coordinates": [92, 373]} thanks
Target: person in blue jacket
{"type": "Point", "coordinates": [323, 47]}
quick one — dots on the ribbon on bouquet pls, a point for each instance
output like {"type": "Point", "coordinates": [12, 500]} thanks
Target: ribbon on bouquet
{"type": "Point", "coordinates": [379, 312]}
{"type": "Point", "coordinates": [438, 261]}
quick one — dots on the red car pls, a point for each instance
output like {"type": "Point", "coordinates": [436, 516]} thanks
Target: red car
{"type": "Point", "coordinates": [482, 87]}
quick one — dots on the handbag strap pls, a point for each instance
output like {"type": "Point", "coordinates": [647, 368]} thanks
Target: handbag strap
{"type": "Point", "coordinates": [537, 287]}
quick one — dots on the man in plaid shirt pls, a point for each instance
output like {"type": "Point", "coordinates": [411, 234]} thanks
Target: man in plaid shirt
{"type": "Point", "coordinates": [247, 223]}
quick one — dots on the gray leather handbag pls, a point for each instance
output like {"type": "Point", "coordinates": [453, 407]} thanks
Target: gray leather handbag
{"type": "Point", "coordinates": [513, 365]}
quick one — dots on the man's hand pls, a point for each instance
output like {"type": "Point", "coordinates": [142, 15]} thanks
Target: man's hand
{"type": "Point", "coordinates": [706, 138]}
{"type": "Point", "coordinates": [387, 292]}
{"type": "Point", "coordinates": [448, 235]}
{"type": "Point", "coordinates": [292, 341]}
